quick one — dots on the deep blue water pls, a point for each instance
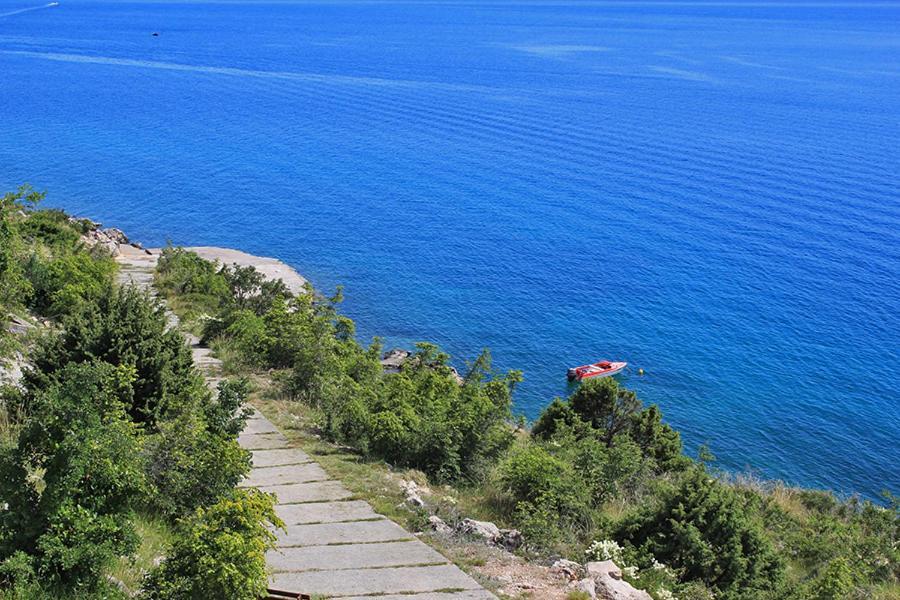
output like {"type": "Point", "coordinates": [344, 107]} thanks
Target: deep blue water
{"type": "Point", "coordinates": [707, 191]}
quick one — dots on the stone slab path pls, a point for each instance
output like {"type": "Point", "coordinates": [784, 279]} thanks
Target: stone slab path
{"type": "Point", "coordinates": [334, 545]}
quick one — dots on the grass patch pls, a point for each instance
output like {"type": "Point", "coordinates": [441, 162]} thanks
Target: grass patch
{"type": "Point", "coordinates": [155, 539]}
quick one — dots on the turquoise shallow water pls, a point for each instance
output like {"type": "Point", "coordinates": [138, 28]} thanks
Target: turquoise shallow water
{"type": "Point", "coordinates": [707, 191]}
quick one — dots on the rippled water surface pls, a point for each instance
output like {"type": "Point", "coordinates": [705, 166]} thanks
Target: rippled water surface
{"type": "Point", "coordinates": [707, 191]}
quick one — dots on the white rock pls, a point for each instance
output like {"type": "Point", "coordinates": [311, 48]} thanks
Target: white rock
{"type": "Point", "coordinates": [412, 491]}
{"type": "Point", "coordinates": [585, 585]}
{"type": "Point", "coordinates": [438, 525]}
{"type": "Point", "coordinates": [483, 529]}
{"type": "Point", "coordinates": [609, 583]}
{"type": "Point", "coordinates": [566, 568]}
{"type": "Point", "coordinates": [603, 567]}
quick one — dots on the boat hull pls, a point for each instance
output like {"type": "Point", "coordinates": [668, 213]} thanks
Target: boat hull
{"type": "Point", "coordinates": [595, 371]}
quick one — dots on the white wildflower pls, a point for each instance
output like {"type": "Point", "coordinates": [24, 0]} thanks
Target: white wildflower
{"type": "Point", "coordinates": [664, 594]}
{"type": "Point", "coordinates": [631, 572]}
{"type": "Point", "coordinates": [605, 550]}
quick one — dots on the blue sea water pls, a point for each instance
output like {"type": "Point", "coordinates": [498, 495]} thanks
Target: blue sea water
{"type": "Point", "coordinates": [709, 191]}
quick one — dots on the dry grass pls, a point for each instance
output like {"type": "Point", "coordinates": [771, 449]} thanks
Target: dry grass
{"type": "Point", "coordinates": [155, 538]}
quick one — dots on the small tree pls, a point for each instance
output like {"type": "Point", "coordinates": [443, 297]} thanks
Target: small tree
{"type": "Point", "coordinates": [703, 529]}
{"type": "Point", "coordinates": [606, 406]}
{"type": "Point", "coordinates": [219, 552]}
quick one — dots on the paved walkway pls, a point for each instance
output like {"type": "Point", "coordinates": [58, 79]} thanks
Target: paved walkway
{"type": "Point", "coordinates": [334, 545]}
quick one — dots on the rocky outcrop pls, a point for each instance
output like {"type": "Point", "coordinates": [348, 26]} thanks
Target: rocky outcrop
{"type": "Point", "coordinates": [413, 493]}
{"type": "Point", "coordinates": [110, 238]}
{"type": "Point", "coordinates": [439, 526]}
{"type": "Point", "coordinates": [609, 584]}
{"type": "Point", "coordinates": [568, 569]}
{"type": "Point", "coordinates": [509, 539]}
{"type": "Point", "coordinates": [394, 359]}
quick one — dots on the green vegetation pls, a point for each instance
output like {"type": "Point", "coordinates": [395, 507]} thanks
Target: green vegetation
{"type": "Point", "coordinates": [221, 553]}
{"type": "Point", "coordinates": [113, 451]}
{"type": "Point", "coordinates": [598, 476]}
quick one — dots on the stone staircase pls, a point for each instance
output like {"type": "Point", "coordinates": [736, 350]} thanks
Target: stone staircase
{"type": "Point", "coordinates": [334, 545]}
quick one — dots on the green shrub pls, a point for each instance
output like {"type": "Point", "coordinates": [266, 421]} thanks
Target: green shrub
{"type": "Point", "coordinates": [197, 284]}
{"type": "Point", "coordinates": [64, 283]}
{"type": "Point", "coordinates": [548, 495]}
{"type": "Point", "coordinates": [219, 552]}
{"type": "Point", "coordinates": [74, 479]}
{"type": "Point", "coordinates": [704, 530]}
{"type": "Point", "coordinates": [124, 327]}
{"type": "Point", "coordinates": [53, 228]}
{"type": "Point", "coordinates": [191, 466]}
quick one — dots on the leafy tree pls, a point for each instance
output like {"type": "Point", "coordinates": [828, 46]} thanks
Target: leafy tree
{"type": "Point", "coordinates": [658, 440]}
{"type": "Point", "coordinates": [220, 552]}
{"type": "Point", "coordinates": [606, 406]}
{"type": "Point", "coordinates": [74, 479]}
{"type": "Point", "coordinates": [228, 415]}
{"type": "Point", "coordinates": [251, 290]}
{"type": "Point", "coordinates": [557, 414]}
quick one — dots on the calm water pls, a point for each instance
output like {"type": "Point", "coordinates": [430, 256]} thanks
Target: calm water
{"type": "Point", "coordinates": [709, 192]}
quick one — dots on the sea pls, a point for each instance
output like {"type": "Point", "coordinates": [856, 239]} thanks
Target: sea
{"type": "Point", "coordinates": [709, 191]}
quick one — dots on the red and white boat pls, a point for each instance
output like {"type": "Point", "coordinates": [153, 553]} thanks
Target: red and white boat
{"type": "Point", "coordinates": [604, 368]}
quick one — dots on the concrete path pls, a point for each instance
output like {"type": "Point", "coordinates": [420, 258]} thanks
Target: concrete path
{"type": "Point", "coordinates": [334, 545]}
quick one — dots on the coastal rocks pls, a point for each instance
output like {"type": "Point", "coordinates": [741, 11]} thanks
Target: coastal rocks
{"type": "Point", "coordinates": [116, 235]}
{"type": "Point", "coordinates": [394, 359]}
{"type": "Point", "coordinates": [109, 238]}
{"type": "Point", "coordinates": [509, 539]}
{"type": "Point", "coordinates": [568, 569]}
{"type": "Point", "coordinates": [609, 583]}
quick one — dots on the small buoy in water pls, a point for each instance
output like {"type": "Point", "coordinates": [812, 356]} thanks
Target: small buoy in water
{"type": "Point", "coordinates": [155, 34]}
{"type": "Point", "coordinates": [640, 371]}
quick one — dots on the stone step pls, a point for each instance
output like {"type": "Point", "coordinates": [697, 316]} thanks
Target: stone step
{"type": "Point", "coordinates": [284, 456]}
{"type": "Point", "coordinates": [285, 474]}
{"type": "Point", "coordinates": [256, 426]}
{"type": "Point", "coordinates": [263, 441]}
{"type": "Point", "coordinates": [352, 532]}
{"type": "Point", "coordinates": [353, 556]}
{"type": "Point", "coordinates": [326, 512]}
{"type": "Point", "coordinates": [295, 493]}
{"type": "Point", "coordinates": [390, 580]}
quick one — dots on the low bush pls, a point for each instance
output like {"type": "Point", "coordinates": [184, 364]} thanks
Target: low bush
{"type": "Point", "coordinates": [219, 551]}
